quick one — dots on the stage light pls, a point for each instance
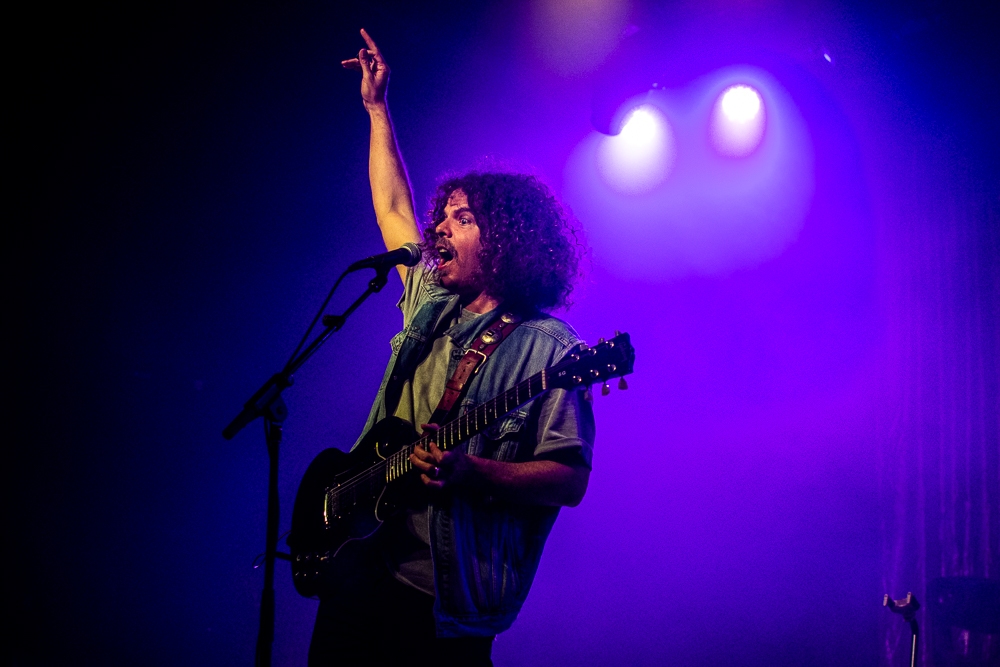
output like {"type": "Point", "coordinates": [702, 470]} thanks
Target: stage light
{"type": "Point", "coordinates": [640, 156]}
{"type": "Point", "coordinates": [640, 126]}
{"type": "Point", "coordinates": [740, 104]}
{"type": "Point", "coordinates": [738, 121]}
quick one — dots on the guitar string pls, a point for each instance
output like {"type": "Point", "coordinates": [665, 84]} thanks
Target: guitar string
{"type": "Point", "coordinates": [449, 429]}
{"type": "Point", "coordinates": [452, 433]}
{"type": "Point", "coordinates": [378, 470]}
{"type": "Point", "coordinates": [452, 430]}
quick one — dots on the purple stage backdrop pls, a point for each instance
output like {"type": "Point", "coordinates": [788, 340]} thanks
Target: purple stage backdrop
{"type": "Point", "coordinates": [813, 418]}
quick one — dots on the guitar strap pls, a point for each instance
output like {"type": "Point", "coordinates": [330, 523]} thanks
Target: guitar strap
{"type": "Point", "coordinates": [474, 358]}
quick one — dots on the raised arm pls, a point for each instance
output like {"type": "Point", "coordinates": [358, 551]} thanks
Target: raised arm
{"type": "Point", "coordinates": [391, 194]}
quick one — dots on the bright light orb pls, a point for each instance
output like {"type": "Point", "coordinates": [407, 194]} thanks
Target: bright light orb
{"type": "Point", "coordinates": [738, 121]}
{"type": "Point", "coordinates": [640, 157]}
{"type": "Point", "coordinates": [740, 104]}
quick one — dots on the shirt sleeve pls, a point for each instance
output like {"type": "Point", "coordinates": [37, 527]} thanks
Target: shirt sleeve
{"type": "Point", "coordinates": [413, 291]}
{"type": "Point", "coordinates": [566, 428]}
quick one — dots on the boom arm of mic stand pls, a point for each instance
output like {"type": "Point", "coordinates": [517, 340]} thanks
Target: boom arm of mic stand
{"type": "Point", "coordinates": [266, 401]}
{"type": "Point", "coordinates": [267, 398]}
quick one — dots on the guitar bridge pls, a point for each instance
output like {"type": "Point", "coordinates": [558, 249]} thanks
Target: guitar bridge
{"type": "Point", "coordinates": [330, 505]}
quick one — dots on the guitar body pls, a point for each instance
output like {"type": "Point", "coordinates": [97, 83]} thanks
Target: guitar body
{"type": "Point", "coordinates": [344, 498]}
{"type": "Point", "coordinates": [325, 520]}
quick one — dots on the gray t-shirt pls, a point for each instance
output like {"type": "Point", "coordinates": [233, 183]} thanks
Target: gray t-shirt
{"type": "Point", "coordinates": [420, 395]}
{"type": "Point", "coordinates": [408, 552]}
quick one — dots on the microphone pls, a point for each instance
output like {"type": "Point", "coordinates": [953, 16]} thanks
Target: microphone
{"type": "Point", "coordinates": [408, 255]}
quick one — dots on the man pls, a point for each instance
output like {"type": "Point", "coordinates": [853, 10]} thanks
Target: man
{"type": "Point", "coordinates": [442, 578]}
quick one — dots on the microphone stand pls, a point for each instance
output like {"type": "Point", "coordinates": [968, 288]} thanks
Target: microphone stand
{"type": "Point", "coordinates": [266, 402]}
{"type": "Point", "coordinates": [907, 608]}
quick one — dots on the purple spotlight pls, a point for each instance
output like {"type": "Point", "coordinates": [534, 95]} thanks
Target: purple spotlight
{"type": "Point", "coordinates": [738, 121]}
{"type": "Point", "coordinates": [640, 157]}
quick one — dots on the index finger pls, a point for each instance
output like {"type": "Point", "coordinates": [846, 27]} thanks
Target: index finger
{"type": "Point", "coordinates": [368, 40]}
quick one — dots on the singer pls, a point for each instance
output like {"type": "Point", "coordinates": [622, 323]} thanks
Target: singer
{"type": "Point", "coordinates": [439, 580]}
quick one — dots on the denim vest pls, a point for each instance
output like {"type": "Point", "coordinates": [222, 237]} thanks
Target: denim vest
{"type": "Point", "coordinates": [485, 552]}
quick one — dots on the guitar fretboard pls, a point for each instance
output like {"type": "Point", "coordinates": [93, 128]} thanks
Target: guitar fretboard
{"type": "Point", "coordinates": [583, 366]}
{"type": "Point", "coordinates": [475, 421]}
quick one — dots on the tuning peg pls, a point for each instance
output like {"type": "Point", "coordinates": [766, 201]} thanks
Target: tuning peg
{"type": "Point", "coordinates": [622, 384]}
{"type": "Point", "coordinates": [587, 395]}
{"type": "Point", "coordinates": [605, 389]}
{"type": "Point", "coordinates": [617, 333]}
{"type": "Point", "coordinates": [600, 340]}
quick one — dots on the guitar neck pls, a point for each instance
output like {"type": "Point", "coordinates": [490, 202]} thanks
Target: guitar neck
{"type": "Point", "coordinates": [473, 422]}
{"type": "Point", "coordinates": [581, 367]}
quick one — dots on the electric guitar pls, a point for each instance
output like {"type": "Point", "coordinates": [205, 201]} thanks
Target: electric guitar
{"type": "Point", "coordinates": [345, 497]}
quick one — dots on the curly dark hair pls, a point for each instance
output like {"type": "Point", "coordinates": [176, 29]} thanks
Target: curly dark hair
{"type": "Point", "coordinates": [531, 247]}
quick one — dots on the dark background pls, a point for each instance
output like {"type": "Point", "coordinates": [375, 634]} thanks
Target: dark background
{"type": "Point", "coordinates": [189, 180]}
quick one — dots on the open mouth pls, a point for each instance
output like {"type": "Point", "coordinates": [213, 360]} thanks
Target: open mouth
{"type": "Point", "coordinates": [445, 255]}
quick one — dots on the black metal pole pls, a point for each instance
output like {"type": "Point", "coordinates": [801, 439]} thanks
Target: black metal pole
{"type": "Point", "coordinates": [266, 402]}
{"type": "Point", "coordinates": [265, 633]}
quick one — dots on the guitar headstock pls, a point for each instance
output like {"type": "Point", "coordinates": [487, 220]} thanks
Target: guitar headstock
{"type": "Point", "coordinates": [587, 365]}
